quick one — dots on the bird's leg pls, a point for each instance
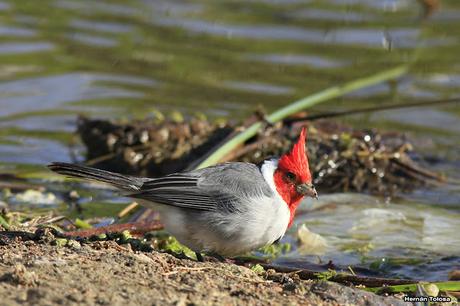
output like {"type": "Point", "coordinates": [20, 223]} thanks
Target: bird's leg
{"type": "Point", "coordinates": [218, 257]}
{"type": "Point", "coordinates": [199, 257]}
{"type": "Point", "coordinates": [222, 259]}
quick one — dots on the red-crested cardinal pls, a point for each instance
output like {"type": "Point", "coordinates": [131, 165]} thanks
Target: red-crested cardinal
{"type": "Point", "coordinates": [226, 209]}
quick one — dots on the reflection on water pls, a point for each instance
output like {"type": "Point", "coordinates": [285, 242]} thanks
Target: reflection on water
{"type": "Point", "coordinates": [386, 5]}
{"type": "Point", "coordinates": [16, 48]}
{"type": "Point", "coordinates": [93, 40]}
{"type": "Point", "coordinates": [402, 38]}
{"type": "Point", "coordinates": [91, 7]}
{"type": "Point", "coordinates": [43, 93]}
{"type": "Point", "coordinates": [297, 60]}
{"type": "Point", "coordinates": [342, 16]}
{"type": "Point", "coordinates": [110, 27]}
{"type": "Point", "coordinates": [4, 6]}
{"type": "Point", "coordinates": [14, 31]}
{"type": "Point", "coordinates": [126, 58]}
{"type": "Point", "coordinates": [33, 151]}
{"type": "Point", "coordinates": [425, 118]}
{"type": "Point", "coordinates": [261, 88]}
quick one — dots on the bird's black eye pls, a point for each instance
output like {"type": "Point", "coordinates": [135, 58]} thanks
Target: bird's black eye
{"type": "Point", "coordinates": [290, 176]}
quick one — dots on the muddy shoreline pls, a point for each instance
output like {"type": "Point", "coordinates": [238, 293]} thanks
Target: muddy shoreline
{"type": "Point", "coordinates": [42, 272]}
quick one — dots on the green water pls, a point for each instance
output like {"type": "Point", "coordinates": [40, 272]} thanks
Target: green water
{"type": "Point", "coordinates": [128, 59]}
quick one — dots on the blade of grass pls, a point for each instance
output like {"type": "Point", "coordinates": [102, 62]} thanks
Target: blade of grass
{"type": "Point", "coordinates": [82, 224]}
{"type": "Point", "coordinates": [4, 223]}
{"type": "Point", "coordinates": [322, 96]}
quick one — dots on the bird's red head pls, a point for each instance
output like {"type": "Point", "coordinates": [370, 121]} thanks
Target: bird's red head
{"type": "Point", "coordinates": [292, 177]}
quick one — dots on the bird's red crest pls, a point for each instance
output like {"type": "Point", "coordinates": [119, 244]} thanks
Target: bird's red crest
{"type": "Point", "coordinates": [296, 161]}
{"type": "Point", "coordinates": [292, 169]}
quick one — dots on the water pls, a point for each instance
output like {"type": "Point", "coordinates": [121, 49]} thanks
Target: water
{"type": "Point", "coordinates": [126, 59]}
{"type": "Point", "coordinates": [390, 239]}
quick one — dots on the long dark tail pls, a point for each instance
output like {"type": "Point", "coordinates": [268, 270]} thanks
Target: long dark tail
{"type": "Point", "coordinates": [115, 179]}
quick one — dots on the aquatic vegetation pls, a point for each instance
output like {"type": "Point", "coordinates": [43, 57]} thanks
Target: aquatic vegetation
{"type": "Point", "coordinates": [327, 275]}
{"type": "Point", "coordinates": [170, 244]}
{"type": "Point", "coordinates": [258, 269]}
{"type": "Point", "coordinates": [274, 250]}
{"type": "Point", "coordinates": [343, 158]}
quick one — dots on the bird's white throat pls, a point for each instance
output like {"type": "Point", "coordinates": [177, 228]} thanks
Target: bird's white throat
{"type": "Point", "coordinates": [268, 169]}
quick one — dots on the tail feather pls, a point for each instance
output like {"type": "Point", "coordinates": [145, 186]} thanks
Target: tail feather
{"type": "Point", "coordinates": [120, 181]}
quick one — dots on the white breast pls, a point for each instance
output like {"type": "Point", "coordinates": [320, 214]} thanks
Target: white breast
{"type": "Point", "coordinates": [265, 222]}
{"type": "Point", "coordinates": [281, 214]}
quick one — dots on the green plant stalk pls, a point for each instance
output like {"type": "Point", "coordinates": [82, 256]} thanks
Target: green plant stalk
{"type": "Point", "coordinates": [327, 94]}
{"type": "Point", "coordinates": [82, 224]}
{"type": "Point", "coordinates": [4, 223]}
{"type": "Point", "coordinates": [443, 286]}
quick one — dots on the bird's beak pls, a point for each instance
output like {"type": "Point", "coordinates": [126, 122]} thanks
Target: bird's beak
{"type": "Point", "coordinates": [307, 190]}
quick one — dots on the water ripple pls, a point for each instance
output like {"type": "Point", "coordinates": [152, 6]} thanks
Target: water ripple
{"type": "Point", "coordinates": [297, 60]}
{"type": "Point", "coordinates": [402, 37]}
{"type": "Point", "coordinates": [262, 88]}
{"type": "Point", "coordinates": [15, 31]}
{"type": "Point", "coordinates": [56, 91]}
{"type": "Point", "coordinates": [25, 47]}
{"type": "Point", "coordinates": [110, 27]}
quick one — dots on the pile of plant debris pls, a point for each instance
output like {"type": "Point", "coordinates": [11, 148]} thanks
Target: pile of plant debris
{"type": "Point", "coordinates": [341, 158]}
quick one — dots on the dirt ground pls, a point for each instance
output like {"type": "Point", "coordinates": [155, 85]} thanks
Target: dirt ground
{"type": "Point", "coordinates": [39, 272]}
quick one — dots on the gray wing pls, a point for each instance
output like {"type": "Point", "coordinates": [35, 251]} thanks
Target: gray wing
{"type": "Point", "coordinates": [220, 186]}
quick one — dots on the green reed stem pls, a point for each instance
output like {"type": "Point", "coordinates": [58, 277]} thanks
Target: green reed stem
{"type": "Point", "coordinates": [296, 106]}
